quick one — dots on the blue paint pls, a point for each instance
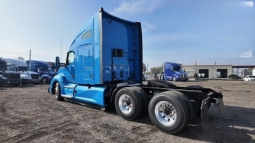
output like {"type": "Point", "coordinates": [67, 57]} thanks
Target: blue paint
{"type": "Point", "coordinates": [174, 70]}
{"type": "Point", "coordinates": [42, 68]}
{"type": "Point", "coordinates": [107, 50]}
{"type": "Point", "coordinates": [93, 95]}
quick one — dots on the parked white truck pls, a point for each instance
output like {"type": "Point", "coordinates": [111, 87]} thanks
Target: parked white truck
{"type": "Point", "coordinates": [26, 75]}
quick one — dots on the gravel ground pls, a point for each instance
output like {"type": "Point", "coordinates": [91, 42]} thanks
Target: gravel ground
{"type": "Point", "coordinates": [30, 114]}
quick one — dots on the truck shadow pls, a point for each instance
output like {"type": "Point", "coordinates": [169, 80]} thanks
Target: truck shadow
{"type": "Point", "coordinates": [236, 125]}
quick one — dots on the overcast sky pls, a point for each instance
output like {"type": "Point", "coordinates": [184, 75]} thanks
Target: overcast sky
{"type": "Point", "coordinates": [182, 31]}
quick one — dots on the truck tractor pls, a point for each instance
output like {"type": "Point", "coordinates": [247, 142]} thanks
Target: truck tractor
{"type": "Point", "coordinates": [26, 75]}
{"type": "Point", "coordinates": [104, 68]}
{"type": "Point", "coordinates": [43, 69]}
{"type": "Point", "coordinates": [174, 72]}
{"type": "Point", "coordinates": [8, 77]}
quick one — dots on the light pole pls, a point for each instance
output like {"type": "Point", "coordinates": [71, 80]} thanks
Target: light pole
{"type": "Point", "coordinates": [61, 50]}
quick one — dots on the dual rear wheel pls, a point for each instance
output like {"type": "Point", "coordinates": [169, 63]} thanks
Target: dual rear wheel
{"type": "Point", "coordinates": [169, 111]}
{"type": "Point", "coordinates": [131, 102]}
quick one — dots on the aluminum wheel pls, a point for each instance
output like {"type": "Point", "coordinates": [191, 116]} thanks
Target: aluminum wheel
{"type": "Point", "coordinates": [57, 89]}
{"type": "Point", "coordinates": [165, 113]}
{"type": "Point", "coordinates": [125, 103]}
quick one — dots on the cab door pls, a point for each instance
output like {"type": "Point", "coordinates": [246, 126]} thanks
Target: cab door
{"type": "Point", "coordinates": [70, 67]}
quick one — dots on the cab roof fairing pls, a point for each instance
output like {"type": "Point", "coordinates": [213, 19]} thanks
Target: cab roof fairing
{"type": "Point", "coordinates": [86, 26]}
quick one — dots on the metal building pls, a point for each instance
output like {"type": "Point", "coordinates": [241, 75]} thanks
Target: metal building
{"type": "Point", "coordinates": [208, 71]}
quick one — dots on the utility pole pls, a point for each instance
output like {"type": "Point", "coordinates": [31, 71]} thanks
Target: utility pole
{"type": "Point", "coordinates": [29, 58]}
{"type": "Point", "coordinates": [61, 50]}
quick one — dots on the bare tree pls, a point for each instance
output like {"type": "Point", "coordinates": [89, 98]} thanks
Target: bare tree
{"type": "Point", "coordinates": [144, 67]}
{"type": "Point", "coordinates": [21, 58]}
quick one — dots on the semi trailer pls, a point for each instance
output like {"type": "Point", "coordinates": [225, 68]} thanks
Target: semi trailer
{"type": "Point", "coordinates": [104, 67]}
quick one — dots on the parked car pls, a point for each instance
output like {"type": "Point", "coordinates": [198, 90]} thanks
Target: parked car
{"type": "Point", "coordinates": [249, 78]}
{"type": "Point", "coordinates": [234, 76]}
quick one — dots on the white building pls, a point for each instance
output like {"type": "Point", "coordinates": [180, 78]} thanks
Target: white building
{"type": "Point", "coordinates": [208, 71]}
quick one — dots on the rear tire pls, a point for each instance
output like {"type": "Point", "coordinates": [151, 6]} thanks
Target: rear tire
{"type": "Point", "coordinates": [174, 78]}
{"type": "Point", "coordinates": [168, 113]}
{"type": "Point", "coordinates": [58, 92]}
{"type": "Point", "coordinates": [183, 97]}
{"type": "Point", "coordinates": [128, 104]}
{"type": "Point", "coordinates": [145, 99]}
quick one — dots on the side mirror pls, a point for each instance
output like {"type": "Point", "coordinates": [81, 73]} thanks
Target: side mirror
{"type": "Point", "coordinates": [57, 63]}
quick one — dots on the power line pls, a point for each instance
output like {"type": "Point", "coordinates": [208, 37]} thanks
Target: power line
{"type": "Point", "coordinates": [26, 54]}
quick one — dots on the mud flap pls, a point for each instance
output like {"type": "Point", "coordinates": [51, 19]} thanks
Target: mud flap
{"type": "Point", "coordinates": [204, 115]}
{"type": "Point", "coordinates": [221, 106]}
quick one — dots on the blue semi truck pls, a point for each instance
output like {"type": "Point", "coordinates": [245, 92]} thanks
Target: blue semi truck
{"type": "Point", "coordinates": [174, 72]}
{"type": "Point", "coordinates": [103, 69]}
{"type": "Point", "coordinates": [43, 69]}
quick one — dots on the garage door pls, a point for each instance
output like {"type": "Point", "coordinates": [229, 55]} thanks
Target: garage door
{"type": "Point", "coordinates": [204, 73]}
{"type": "Point", "coordinates": [223, 73]}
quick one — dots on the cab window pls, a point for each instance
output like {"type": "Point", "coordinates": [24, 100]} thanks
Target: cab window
{"type": "Point", "coordinates": [87, 34]}
{"type": "Point", "coordinates": [70, 58]}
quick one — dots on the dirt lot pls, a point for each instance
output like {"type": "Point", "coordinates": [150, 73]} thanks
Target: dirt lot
{"type": "Point", "coordinates": [30, 114]}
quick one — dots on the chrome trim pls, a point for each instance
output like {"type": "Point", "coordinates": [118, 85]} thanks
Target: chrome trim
{"type": "Point", "coordinates": [66, 96]}
{"type": "Point", "coordinates": [70, 87]}
{"type": "Point", "coordinates": [101, 44]}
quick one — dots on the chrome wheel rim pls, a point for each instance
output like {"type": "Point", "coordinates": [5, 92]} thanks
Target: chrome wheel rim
{"type": "Point", "coordinates": [56, 90]}
{"type": "Point", "coordinates": [125, 104]}
{"type": "Point", "coordinates": [165, 113]}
